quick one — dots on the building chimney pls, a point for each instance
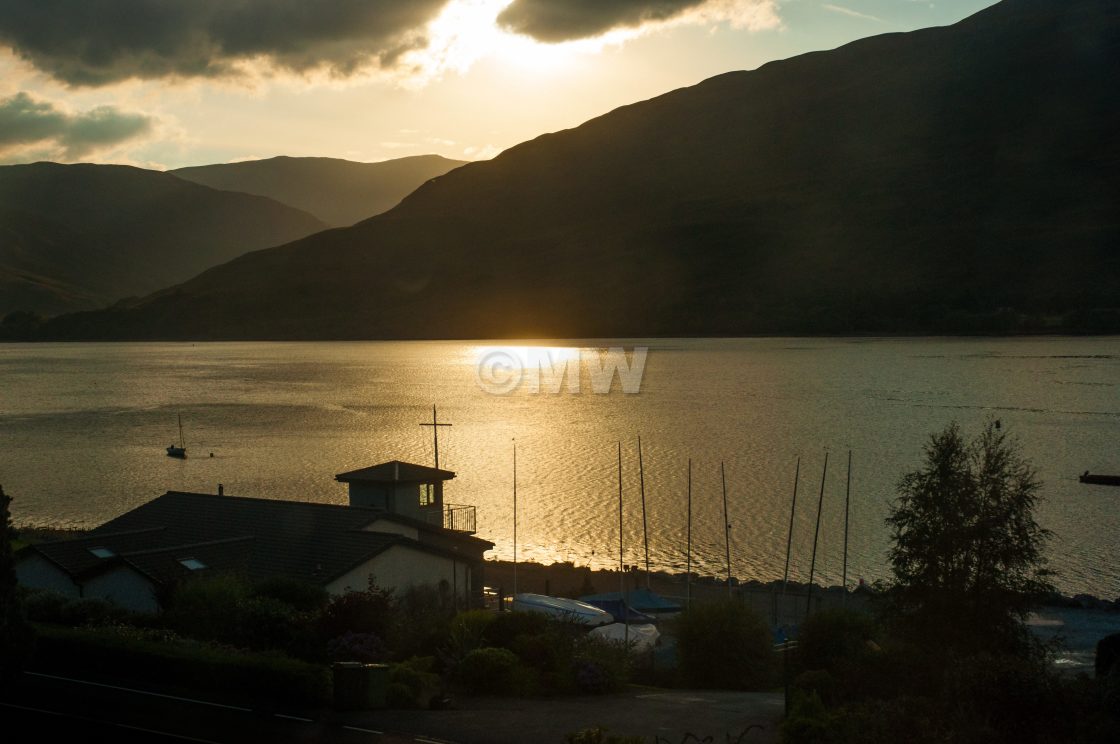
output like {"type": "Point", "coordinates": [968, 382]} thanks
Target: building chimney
{"type": "Point", "coordinates": [221, 490]}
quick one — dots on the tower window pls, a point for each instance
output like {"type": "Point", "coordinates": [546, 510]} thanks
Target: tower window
{"type": "Point", "coordinates": [427, 494]}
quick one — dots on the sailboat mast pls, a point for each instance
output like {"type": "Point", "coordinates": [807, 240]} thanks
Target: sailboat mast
{"type": "Point", "coordinates": [515, 519]}
{"type": "Point", "coordinates": [792, 513]}
{"type": "Point", "coordinates": [816, 534]}
{"type": "Point", "coordinates": [726, 527]}
{"type": "Point", "coordinates": [847, 507]}
{"type": "Point", "coordinates": [621, 573]}
{"type": "Point", "coordinates": [688, 549]}
{"type": "Point", "coordinates": [182, 442]}
{"type": "Point", "coordinates": [789, 537]}
{"type": "Point", "coordinates": [642, 488]}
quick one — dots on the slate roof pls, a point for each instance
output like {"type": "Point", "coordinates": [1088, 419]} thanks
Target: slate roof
{"type": "Point", "coordinates": [311, 542]}
{"type": "Point", "coordinates": [74, 557]}
{"type": "Point", "coordinates": [396, 471]}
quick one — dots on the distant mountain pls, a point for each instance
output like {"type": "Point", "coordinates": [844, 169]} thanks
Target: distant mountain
{"type": "Point", "coordinates": [952, 179]}
{"type": "Point", "coordinates": [339, 192]}
{"type": "Point", "coordinates": [81, 236]}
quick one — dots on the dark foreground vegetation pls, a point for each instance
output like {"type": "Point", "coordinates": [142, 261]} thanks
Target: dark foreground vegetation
{"type": "Point", "coordinates": [947, 657]}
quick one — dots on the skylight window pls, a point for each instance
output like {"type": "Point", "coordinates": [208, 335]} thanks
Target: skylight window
{"type": "Point", "coordinates": [193, 564]}
{"type": "Point", "coordinates": [102, 552]}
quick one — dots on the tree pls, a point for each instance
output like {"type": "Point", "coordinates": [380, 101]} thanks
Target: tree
{"type": "Point", "coordinates": [968, 557]}
{"type": "Point", "coordinates": [15, 635]}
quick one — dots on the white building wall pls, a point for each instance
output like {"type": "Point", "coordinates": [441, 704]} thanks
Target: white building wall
{"type": "Point", "coordinates": [386, 524]}
{"type": "Point", "coordinates": [401, 567]}
{"type": "Point", "coordinates": [36, 572]}
{"type": "Point", "coordinates": [125, 588]}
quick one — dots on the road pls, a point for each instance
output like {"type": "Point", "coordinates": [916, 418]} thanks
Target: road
{"type": "Point", "coordinates": [56, 706]}
{"type": "Point", "coordinates": [105, 710]}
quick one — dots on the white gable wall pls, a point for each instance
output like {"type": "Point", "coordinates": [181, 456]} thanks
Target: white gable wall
{"type": "Point", "coordinates": [401, 567]}
{"type": "Point", "coordinates": [123, 587]}
{"type": "Point", "coordinates": [387, 524]}
{"type": "Point", "coordinates": [36, 572]}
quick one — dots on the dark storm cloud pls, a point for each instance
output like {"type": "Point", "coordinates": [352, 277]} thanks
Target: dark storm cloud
{"type": "Point", "coordinates": [25, 121]}
{"type": "Point", "coordinates": [564, 20]}
{"type": "Point", "coordinates": [97, 42]}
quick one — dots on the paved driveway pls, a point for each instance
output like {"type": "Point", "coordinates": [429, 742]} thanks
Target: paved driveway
{"type": "Point", "coordinates": [663, 717]}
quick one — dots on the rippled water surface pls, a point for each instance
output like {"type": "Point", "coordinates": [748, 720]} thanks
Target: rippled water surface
{"type": "Point", "coordinates": [83, 428]}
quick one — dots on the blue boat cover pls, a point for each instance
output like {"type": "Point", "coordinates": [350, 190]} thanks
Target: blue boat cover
{"type": "Point", "coordinates": [642, 600]}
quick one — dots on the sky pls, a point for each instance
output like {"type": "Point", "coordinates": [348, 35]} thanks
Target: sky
{"type": "Point", "coordinates": [171, 83]}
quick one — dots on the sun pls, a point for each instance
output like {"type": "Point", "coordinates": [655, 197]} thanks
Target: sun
{"type": "Point", "coordinates": [466, 31]}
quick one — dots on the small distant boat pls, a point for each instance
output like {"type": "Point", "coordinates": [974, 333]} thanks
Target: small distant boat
{"type": "Point", "coordinates": [571, 610]}
{"type": "Point", "coordinates": [1099, 480]}
{"type": "Point", "coordinates": [180, 451]}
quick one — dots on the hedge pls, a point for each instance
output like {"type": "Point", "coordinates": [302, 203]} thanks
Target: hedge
{"type": "Point", "coordinates": [167, 659]}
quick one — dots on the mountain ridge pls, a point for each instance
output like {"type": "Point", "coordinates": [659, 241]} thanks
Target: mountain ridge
{"type": "Point", "coordinates": [338, 192]}
{"type": "Point", "coordinates": [952, 179]}
{"type": "Point", "coordinates": [83, 235]}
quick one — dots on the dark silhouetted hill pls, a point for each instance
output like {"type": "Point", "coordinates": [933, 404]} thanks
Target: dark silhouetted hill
{"type": "Point", "coordinates": [82, 236]}
{"type": "Point", "coordinates": [952, 179]}
{"type": "Point", "coordinates": [339, 192]}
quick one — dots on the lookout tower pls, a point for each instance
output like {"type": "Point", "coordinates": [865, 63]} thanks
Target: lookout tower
{"type": "Point", "coordinates": [408, 490]}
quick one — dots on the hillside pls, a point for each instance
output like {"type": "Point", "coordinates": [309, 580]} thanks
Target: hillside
{"type": "Point", "coordinates": [338, 192]}
{"type": "Point", "coordinates": [955, 179]}
{"type": "Point", "coordinates": [81, 236]}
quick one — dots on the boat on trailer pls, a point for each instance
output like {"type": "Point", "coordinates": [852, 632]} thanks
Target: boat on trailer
{"type": "Point", "coordinates": [560, 608]}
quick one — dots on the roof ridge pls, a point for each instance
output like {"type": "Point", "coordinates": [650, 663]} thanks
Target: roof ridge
{"type": "Point", "coordinates": [94, 536]}
{"type": "Point", "coordinates": [169, 548]}
{"type": "Point", "coordinates": [234, 497]}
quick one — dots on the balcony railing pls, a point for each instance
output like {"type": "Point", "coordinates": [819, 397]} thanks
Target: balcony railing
{"type": "Point", "coordinates": [459, 517]}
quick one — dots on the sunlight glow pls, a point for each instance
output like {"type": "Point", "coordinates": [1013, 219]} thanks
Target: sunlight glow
{"type": "Point", "coordinates": [466, 32]}
{"type": "Point", "coordinates": [528, 357]}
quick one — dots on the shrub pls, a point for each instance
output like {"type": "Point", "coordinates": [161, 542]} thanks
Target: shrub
{"type": "Point", "coordinates": [208, 607]}
{"type": "Point", "coordinates": [412, 684]}
{"type": "Point", "coordinates": [264, 623]}
{"type": "Point", "coordinates": [44, 606]}
{"type": "Point", "coordinates": [1010, 695]}
{"type": "Point", "coordinates": [809, 722]}
{"type": "Point", "coordinates": [724, 645]}
{"type": "Point", "coordinates": [487, 671]}
{"type": "Point", "coordinates": [544, 652]}
{"type": "Point", "coordinates": [834, 637]}
{"type": "Point", "coordinates": [600, 666]}
{"type": "Point", "coordinates": [298, 595]}
{"type": "Point", "coordinates": [421, 620]}
{"type": "Point", "coordinates": [600, 736]}
{"type": "Point", "coordinates": [365, 647]}
{"type": "Point", "coordinates": [370, 611]}
{"type": "Point", "coordinates": [508, 626]}
{"type": "Point", "coordinates": [468, 631]}
{"type": "Point", "coordinates": [818, 682]}
{"type": "Point", "coordinates": [78, 612]}
{"type": "Point", "coordinates": [158, 655]}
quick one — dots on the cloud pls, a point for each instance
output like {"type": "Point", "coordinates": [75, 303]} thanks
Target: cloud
{"type": "Point", "coordinates": [852, 13]}
{"type": "Point", "coordinates": [555, 21]}
{"type": "Point", "coordinates": [27, 124]}
{"type": "Point", "coordinates": [99, 42]}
